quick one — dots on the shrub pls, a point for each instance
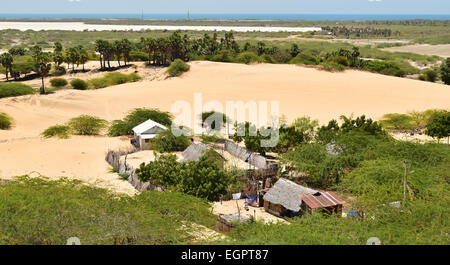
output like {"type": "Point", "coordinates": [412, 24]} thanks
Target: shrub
{"type": "Point", "coordinates": [333, 66]}
{"type": "Point", "coordinates": [62, 131]}
{"type": "Point", "coordinates": [223, 56]}
{"type": "Point", "coordinates": [396, 121]}
{"type": "Point", "coordinates": [15, 89]}
{"type": "Point", "coordinates": [79, 84]}
{"type": "Point", "coordinates": [203, 178]}
{"type": "Point", "coordinates": [177, 68]}
{"type": "Point", "coordinates": [282, 56]}
{"type": "Point", "coordinates": [58, 82]}
{"type": "Point", "coordinates": [136, 117]}
{"type": "Point", "coordinates": [445, 71]}
{"type": "Point", "coordinates": [87, 125]}
{"type": "Point", "coordinates": [439, 125]}
{"type": "Point", "coordinates": [431, 75]}
{"type": "Point", "coordinates": [383, 67]}
{"type": "Point", "coordinates": [168, 142]}
{"type": "Point", "coordinates": [112, 79]}
{"type": "Point", "coordinates": [306, 59]}
{"type": "Point", "coordinates": [248, 58]}
{"type": "Point", "coordinates": [5, 121]}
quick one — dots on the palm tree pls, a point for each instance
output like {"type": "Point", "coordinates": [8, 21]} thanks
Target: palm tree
{"type": "Point", "coordinates": [6, 61]}
{"type": "Point", "coordinates": [126, 49]}
{"type": "Point", "coordinates": [83, 56]}
{"type": "Point", "coordinates": [73, 57]}
{"type": "Point", "coordinates": [100, 47]}
{"type": "Point", "coordinates": [150, 48]}
{"type": "Point", "coordinates": [117, 50]}
{"type": "Point", "coordinates": [42, 67]}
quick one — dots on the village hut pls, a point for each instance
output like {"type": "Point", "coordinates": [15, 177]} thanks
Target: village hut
{"type": "Point", "coordinates": [326, 202]}
{"type": "Point", "coordinates": [146, 131]}
{"type": "Point", "coordinates": [283, 198]}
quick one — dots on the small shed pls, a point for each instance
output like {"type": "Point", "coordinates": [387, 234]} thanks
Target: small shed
{"type": "Point", "coordinates": [283, 198]}
{"type": "Point", "coordinates": [146, 131]}
{"type": "Point", "coordinates": [229, 221]}
{"type": "Point", "coordinates": [327, 202]}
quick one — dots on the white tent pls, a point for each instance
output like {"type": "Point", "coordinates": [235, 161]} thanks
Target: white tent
{"type": "Point", "coordinates": [145, 131]}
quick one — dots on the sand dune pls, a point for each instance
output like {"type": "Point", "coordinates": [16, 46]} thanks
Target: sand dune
{"type": "Point", "coordinates": [442, 50]}
{"type": "Point", "coordinates": [300, 91]}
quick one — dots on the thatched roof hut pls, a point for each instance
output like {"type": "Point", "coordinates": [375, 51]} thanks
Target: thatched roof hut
{"type": "Point", "coordinates": [284, 195]}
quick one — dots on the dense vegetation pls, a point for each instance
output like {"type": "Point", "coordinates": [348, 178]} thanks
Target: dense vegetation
{"type": "Point", "coordinates": [79, 84]}
{"type": "Point", "coordinates": [61, 131]}
{"type": "Point", "coordinates": [204, 178]}
{"type": "Point", "coordinates": [167, 142]}
{"type": "Point", "coordinates": [112, 79]}
{"type": "Point", "coordinates": [58, 82]}
{"type": "Point", "coordinates": [5, 121]}
{"type": "Point", "coordinates": [136, 117]}
{"type": "Point", "coordinates": [87, 125]}
{"type": "Point", "coordinates": [14, 90]}
{"type": "Point", "coordinates": [177, 68]}
{"type": "Point", "coordinates": [43, 212]}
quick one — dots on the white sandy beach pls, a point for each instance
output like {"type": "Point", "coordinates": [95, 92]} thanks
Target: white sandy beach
{"type": "Point", "coordinates": [81, 26]}
{"type": "Point", "coordinates": [299, 91]}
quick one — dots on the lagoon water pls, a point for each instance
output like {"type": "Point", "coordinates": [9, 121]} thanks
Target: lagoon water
{"type": "Point", "coordinates": [80, 26]}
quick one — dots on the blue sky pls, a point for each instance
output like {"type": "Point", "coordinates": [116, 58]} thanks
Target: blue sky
{"type": "Point", "coordinates": [229, 6]}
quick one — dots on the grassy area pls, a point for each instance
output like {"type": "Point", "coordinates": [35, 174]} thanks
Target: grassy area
{"type": "Point", "coordinates": [15, 89]}
{"type": "Point", "coordinates": [43, 212]}
{"type": "Point", "coordinates": [112, 79]}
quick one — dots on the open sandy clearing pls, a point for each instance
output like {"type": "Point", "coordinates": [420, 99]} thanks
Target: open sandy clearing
{"type": "Point", "coordinates": [299, 90]}
{"type": "Point", "coordinates": [442, 50]}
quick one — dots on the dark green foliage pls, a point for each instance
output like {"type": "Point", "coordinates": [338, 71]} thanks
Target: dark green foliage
{"type": "Point", "coordinates": [58, 82]}
{"type": "Point", "coordinates": [5, 121]}
{"type": "Point", "coordinates": [87, 125]}
{"type": "Point", "coordinates": [177, 68]}
{"type": "Point", "coordinates": [383, 67]}
{"type": "Point", "coordinates": [112, 79]}
{"type": "Point", "coordinates": [203, 178]}
{"type": "Point", "coordinates": [62, 131]}
{"type": "Point", "coordinates": [396, 121]}
{"type": "Point", "coordinates": [445, 71]}
{"type": "Point", "coordinates": [439, 125]}
{"type": "Point", "coordinates": [167, 142]}
{"type": "Point", "coordinates": [41, 212]}
{"type": "Point", "coordinates": [14, 90]}
{"type": "Point", "coordinates": [306, 59]}
{"type": "Point", "coordinates": [79, 84]}
{"type": "Point", "coordinates": [282, 56]}
{"type": "Point", "coordinates": [58, 71]}
{"type": "Point", "coordinates": [136, 117]}
{"type": "Point", "coordinates": [248, 58]}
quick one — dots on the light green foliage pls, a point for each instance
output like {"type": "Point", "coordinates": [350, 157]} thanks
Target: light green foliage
{"type": "Point", "coordinates": [112, 79]}
{"type": "Point", "coordinates": [177, 68]}
{"type": "Point", "coordinates": [439, 125]}
{"type": "Point", "coordinates": [15, 89]}
{"type": "Point", "coordinates": [396, 121]}
{"type": "Point", "coordinates": [167, 142]}
{"type": "Point", "coordinates": [58, 82]}
{"type": "Point", "coordinates": [79, 84]}
{"type": "Point", "coordinates": [203, 178]}
{"type": "Point", "coordinates": [6, 121]}
{"type": "Point", "coordinates": [248, 58]}
{"type": "Point", "coordinates": [136, 117]}
{"type": "Point", "coordinates": [306, 126]}
{"type": "Point", "coordinates": [87, 125]}
{"type": "Point", "coordinates": [61, 131]}
{"type": "Point", "coordinates": [40, 212]}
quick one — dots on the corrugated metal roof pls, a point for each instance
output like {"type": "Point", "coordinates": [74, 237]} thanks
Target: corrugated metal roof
{"type": "Point", "coordinates": [325, 199]}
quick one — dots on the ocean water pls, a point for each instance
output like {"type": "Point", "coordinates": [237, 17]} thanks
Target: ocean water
{"type": "Point", "coordinates": [359, 17]}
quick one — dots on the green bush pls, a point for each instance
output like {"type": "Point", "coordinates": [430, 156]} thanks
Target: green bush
{"type": "Point", "coordinates": [282, 56]}
{"type": "Point", "coordinates": [203, 178]}
{"type": "Point", "coordinates": [306, 59]}
{"type": "Point", "coordinates": [177, 68]}
{"type": "Point", "coordinates": [15, 89]}
{"type": "Point", "coordinates": [136, 117]}
{"type": "Point", "coordinates": [5, 121]}
{"type": "Point", "coordinates": [168, 142]}
{"type": "Point", "coordinates": [386, 68]}
{"type": "Point", "coordinates": [58, 82]}
{"type": "Point", "coordinates": [87, 125]}
{"type": "Point", "coordinates": [396, 121]}
{"type": "Point", "coordinates": [79, 84]}
{"type": "Point", "coordinates": [333, 66]}
{"type": "Point", "coordinates": [248, 58]}
{"type": "Point", "coordinates": [112, 79]}
{"type": "Point", "coordinates": [62, 131]}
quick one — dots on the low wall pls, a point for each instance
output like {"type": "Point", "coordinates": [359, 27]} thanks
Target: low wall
{"type": "Point", "coordinates": [246, 155]}
{"type": "Point", "coordinates": [113, 159]}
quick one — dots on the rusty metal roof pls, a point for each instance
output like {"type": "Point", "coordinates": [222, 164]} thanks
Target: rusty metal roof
{"type": "Point", "coordinates": [325, 199]}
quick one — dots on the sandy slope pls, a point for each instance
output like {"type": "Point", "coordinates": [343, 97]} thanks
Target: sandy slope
{"type": "Point", "coordinates": [300, 91]}
{"type": "Point", "coordinates": [442, 50]}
